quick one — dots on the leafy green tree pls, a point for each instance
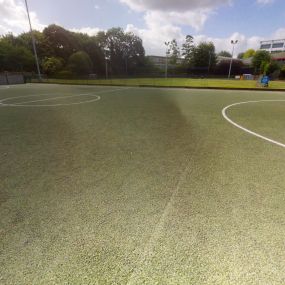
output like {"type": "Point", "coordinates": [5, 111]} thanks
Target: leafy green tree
{"type": "Point", "coordinates": [80, 63]}
{"type": "Point", "coordinates": [126, 50]}
{"type": "Point", "coordinates": [249, 53]}
{"type": "Point", "coordinates": [60, 42]}
{"type": "Point", "coordinates": [260, 58]}
{"type": "Point", "coordinates": [52, 65]}
{"type": "Point", "coordinates": [174, 51]}
{"type": "Point", "coordinates": [204, 57]}
{"type": "Point", "coordinates": [90, 45]}
{"type": "Point", "coordinates": [187, 49]}
{"type": "Point", "coordinates": [282, 72]}
{"type": "Point", "coordinates": [224, 53]}
{"type": "Point", "coordinates": [25, 40]}
{"type": "Point", "coordinates": [271, 67]}
{"type": "Point", "coordinates": [15, 58]}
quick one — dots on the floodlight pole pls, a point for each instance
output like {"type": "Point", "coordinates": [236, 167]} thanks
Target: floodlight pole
{"type": "Point", "coordinates": [33, 42]}
{"type": "Point", "coordinates": [106, 61]}
{"type": "Point", "coordinates": [106, 68]}
{"type": "Point", "coordinates": [210, 59]}
{"type": "Point", "coordinates": [233, 43]}
{"type": "Point", "coordinates": [166, 59]}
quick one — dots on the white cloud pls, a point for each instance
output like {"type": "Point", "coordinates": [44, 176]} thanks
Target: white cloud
{"type": "Point", "coordinates": [164, 18]}
{"type": "Point", "coordinates": [13, 17]}
{"type": "Point", "coordinates": [279, 34]}
{"type": "Point", "coordinates": [87, 30]}
{"type": "Point", "coordinates": [192, 13]}
{"type": "Point", "coordinates": [173, 5]}
{"type": "Point", "coordinates": [244, 42]}
{"type": "Point", "coordinates": [155, 36]}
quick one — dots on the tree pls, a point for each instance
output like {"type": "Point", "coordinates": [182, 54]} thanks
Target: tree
{"type": "Point", "coordinates": [60, 42]}
{"type": "Point", "coordinates": [249, 53]}
{"type": "Point", "coordinates": [240, 55]}
{"type": "Point", "coordinates": [15, 58]}
{"type": "Point", "coordinates": [174, 51]}
{"type": "Point", "coordinates": [224, 53]}
{"type": "Point", "coordinates": [125, 49]}
{"type": "Point", "coordinates": [282, 72]}
{"type": "Point", "coordinates": [52, 65]}
{"type": "Point", "coordinates": [272, 67]}
{"type": "Point", "coordinates": [80, 63]}
{"type": "Point", "coordinates": [90, 45]}
{"type": "Point", "coordinates": [204, 57]}
{"type": "Point", "coordinates": [260, 58]}
{"type": "Point", "coordinates": [187, 49]}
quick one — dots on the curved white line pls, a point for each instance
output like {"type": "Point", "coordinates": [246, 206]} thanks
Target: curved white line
{"type": "Point", "coordinates": [224, 112]}
{"type": "Point", "coordinates": [24, 104]}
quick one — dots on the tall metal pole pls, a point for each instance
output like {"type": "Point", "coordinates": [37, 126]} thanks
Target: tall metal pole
{"type": "Point", "coordinates": [166, 59]}
{"type": "Point", "coordinates": [233, 43]}
{"type": "Point", "coordinates": [210, 58]}
{"type": "Point", "coordinates": [33, 42]}
{"type": "Point", "coordinates": [106, 68]}
{"type": "Point", "coordinates": [107, 57]}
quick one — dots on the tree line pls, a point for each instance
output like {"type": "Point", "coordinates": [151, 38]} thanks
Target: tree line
{"type": "Point", "coordinates": [66, 54]}
{"type": "Point", "coordinates": [62, 52]}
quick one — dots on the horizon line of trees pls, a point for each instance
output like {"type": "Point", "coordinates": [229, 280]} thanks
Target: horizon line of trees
{"type": "Point", "coordinates": [65, 54]}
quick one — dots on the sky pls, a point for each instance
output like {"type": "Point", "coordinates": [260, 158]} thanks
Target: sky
{"type": "Point", "coordinates": [156, 21]}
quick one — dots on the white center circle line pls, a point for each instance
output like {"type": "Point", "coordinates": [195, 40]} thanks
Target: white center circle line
{"type": "Point", "coordinates": [224, 113]}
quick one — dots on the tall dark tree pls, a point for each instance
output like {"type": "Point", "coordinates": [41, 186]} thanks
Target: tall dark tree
{"type": "Point", "coordinates": [60, 42]}
{"type": "Point", "coordinates": [174, 51]}
{"type": "Point", "coordinates": [204, 57]}
{"type": "Point", "coordinates": [125, 49]}
{"type": "Point", "coordinates": [187, 49]}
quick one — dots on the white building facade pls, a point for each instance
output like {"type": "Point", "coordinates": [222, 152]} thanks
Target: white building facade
{"type": "Point", "coordinates": [273, 46]}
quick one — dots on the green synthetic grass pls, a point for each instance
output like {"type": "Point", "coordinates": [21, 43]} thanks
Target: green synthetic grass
{"type": "Point", "coordinates": [174, 82]}
{"type": "Point", "coordinates": [145, 186]}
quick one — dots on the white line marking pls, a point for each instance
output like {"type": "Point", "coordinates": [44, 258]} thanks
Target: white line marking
{"type": "Point", "coordinates": [157, 232]}
{"type": "Point", "coordinates": [49, 99]}
{"type": "Point", "coordinates": [25, 104]}
{"type": "Point", "coordinates": [224, 112]}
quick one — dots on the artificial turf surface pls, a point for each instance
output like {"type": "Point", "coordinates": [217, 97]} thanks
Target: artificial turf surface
{"type": "Point", "coordinates": [145, 186]}
{"type": "Point", "coordinates": [175, 82]}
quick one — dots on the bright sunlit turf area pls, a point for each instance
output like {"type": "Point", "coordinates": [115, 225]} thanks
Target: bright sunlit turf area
{"type": "Point", "coordinates": [174, 82]}
{"type": "Point", "coordinates": [115, 185]}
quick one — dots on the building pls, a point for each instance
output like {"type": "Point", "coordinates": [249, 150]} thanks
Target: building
{"type": "Point", "coordinates": [273, 46]}
{"type": "Point", "coordinates": [279, 57]}
{"type": "Point", "coordinates": [160, 61]}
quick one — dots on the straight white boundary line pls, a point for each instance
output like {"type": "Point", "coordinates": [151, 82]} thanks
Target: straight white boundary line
{"type": "Point", "coordinates": [224, 112]}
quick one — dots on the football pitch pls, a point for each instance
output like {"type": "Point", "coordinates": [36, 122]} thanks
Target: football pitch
{"type": "Point", "coordinates": [127, 185]}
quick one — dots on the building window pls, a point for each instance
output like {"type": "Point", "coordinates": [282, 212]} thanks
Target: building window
{"type": "Point", "coordinates": [278, 45]}
{"type": "Point", "coordinates": [265, 46]}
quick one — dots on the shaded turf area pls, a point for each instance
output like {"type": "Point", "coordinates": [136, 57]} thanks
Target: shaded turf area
{"type": "Point", "coordinates": [144, 186]}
